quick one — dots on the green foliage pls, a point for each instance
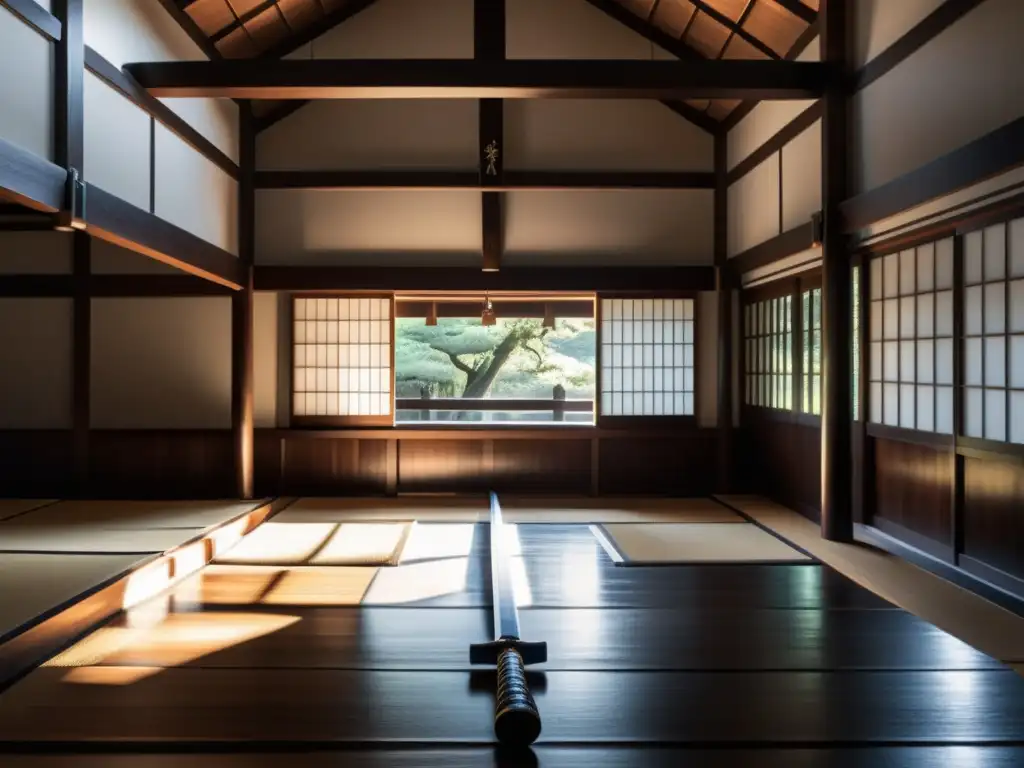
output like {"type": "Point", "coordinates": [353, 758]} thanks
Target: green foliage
{"type": "Point", "coordinates": [459, 357]}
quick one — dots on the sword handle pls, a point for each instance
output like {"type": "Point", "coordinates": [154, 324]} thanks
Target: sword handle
{"type": "Point", "coordinates": [516, 719]}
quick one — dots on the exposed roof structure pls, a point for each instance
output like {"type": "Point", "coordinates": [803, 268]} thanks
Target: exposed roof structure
{"type": "Point", "coordinates": [710, 29]}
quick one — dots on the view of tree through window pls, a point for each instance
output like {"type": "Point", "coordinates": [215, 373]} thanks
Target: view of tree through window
{"type": "Point", "coordinates": [514, 359]}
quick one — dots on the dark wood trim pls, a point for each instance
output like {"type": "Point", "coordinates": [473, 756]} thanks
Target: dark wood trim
{"type": "Point", "coordinates": [912, 436]}
{"type": "Point", "coordinates": [489, 46]}
{"type": "Point", "coordinates": [112, 219]}
{"type": "Point", "coordinates": [35, 16]}
{"type": "Point", "coordinates": [502, 308]}
{"type": "Point", "coordinates": [958, 575]}
{"type": "Point", "coordinates": [774, 144]}
{"type": "Point", "coordinates": [493, 404]}
{"type": "Point", "coordinates": [491, 230]}
{"type": "Point", "coordinates": [957, 490]}
{"type": "Point", "coordinates": [69, 84]}
{"type": "Point", "coordinates": [736, 28]}
{"type": "Point", "coordinates": [465, 78]}
{"type": "Point", "coordinates": [995, 153]}
{"type": "Point", "coordinates": [930, 27]}
{"type": "Point", "coordinates": [30, 180]}
{"type": "Point", "coordinates": [310, 33]}
{"type": "Point", "coordinates": [109, 286]}
{"type": "Point", "coordinates": [509, 180]}
{"type": "Point", "coordinates": [81, 351]}
{"type": "Point", "coordinates": [668, 281]}
{"type": "Point", "coordinates": [799, 10]}
{"type": "Point", "coordinates": [683, 426]}
{"type": "Point", "coordinates": [930, 547]}
{"type": "Point", "coordinates": [744, 109]}
{"type": "Point", "coordinates": [836, 309]}
{"type": "Point", "coordinates": [779, 415]}
{"type": "Point", "coordinates": [787, 244]}
{"type": "Point", "coordinates": [866, 448]}
{"type": "Point", "coordinates": [994, 576]}
{"type": "Point", "coordinates": [957, 222]}
{"type": "Point", "coordinates": [125, 84]}
{"type": "Point", "coordinates": [191, 29]}
{"type": "Point", "coordinates": [989, 450]}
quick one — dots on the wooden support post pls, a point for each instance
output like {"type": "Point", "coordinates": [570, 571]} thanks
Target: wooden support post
{"type": "Point", "coordinates": [837, 400]}
{"type": "Point", "coordinates": [81, 367]}
{"type": "Point", "coordinates": [242, 313]}
{"type": "Point", "coordinates": [489, 42]}
{"type": "Point", "coordinates": [69, 137]}
{"type": "Point", "coordinates": [725, 284]}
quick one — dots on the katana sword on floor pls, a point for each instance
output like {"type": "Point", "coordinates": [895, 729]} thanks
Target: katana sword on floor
{"type": "Point", "coordinates": [516, 719]}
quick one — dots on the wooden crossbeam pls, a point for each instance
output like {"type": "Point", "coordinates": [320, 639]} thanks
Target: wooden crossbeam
{"type": "Point", "coordinates": [469, 79]}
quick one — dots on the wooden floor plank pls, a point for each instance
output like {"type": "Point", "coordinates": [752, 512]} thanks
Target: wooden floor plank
{"type": "Point", "coordinates": [767, 708]}
{"type": "Point", "coordinates": [578, 639]}
{"type": "Point", "coordinates": [557, 757]}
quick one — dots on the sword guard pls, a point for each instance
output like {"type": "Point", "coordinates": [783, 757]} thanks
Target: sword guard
{"type": "Point", "coordinates": [489, 653]}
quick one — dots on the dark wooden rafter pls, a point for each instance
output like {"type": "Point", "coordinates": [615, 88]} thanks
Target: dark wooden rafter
{"type": "Point", "coordinates": [448, 280]}
{"type": "Point", "coordinates": [744, 15]}
{"type": "Point", "coordinates": [191, 29]}
{"type": "Point", "coordinates": [837, 396]}
{"type": "Point", "coordinates": [37, 17]}
{"type": "Point", "coordinates": [798, 9]}
{"type": "Point", "coordinates": [243, 19]}
{"type": "Point", "coordinates": [69, 111]}
{"type": "Point", "coordinates": [509, 180]}
{"type": "Point", "coordinates": [489, 46]}
{"type": "Point", "coordinates": [468, 79]}
{"type": "Point", "coordinates": [307, 35]}
{"type": "Point", "coordinates": [242, 374]}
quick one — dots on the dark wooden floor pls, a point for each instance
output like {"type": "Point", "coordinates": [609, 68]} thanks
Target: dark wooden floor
{"type": "Point", "coordinates": [731, 665]}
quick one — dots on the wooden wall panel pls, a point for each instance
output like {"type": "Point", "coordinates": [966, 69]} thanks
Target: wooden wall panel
{"type": "Point", "coordinates": [26, 87]}
{"type": "Point", "coordinates": [35, 364]}
{"type": "Point", "coordinates": [880, 23]}
{"type": "Point", "coordinates": [36, 463]}
{"type": "Point", "coordinates": [994, 513]}
{"type": "Point", "coordinates": [327, 467]}
{"type": "Point", "coordinates": [913, 490]}
{"type": "Point", "coordinates": [160, 464]}
{"type": "Point", "coordinates": [534, 466]}
{"type": "Point", "coordinates": [782, 460]}
{"type": "Point", "coordinates": [683, 466]}
{"type": "Point", "coordinates": [441, 466]}
{"type": "Point", "coordinates": [36, 253]}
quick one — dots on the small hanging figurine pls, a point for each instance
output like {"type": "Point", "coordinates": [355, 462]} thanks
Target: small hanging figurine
{"type": "Point", "coordinates": [491, 154]}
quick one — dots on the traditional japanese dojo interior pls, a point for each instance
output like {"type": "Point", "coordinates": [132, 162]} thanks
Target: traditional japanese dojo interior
{"type": "Point", "coordinates": [476, 383]}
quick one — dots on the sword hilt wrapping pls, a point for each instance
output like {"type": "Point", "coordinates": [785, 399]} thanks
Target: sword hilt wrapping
{"type": "Point", "coordinates": [516, 719]}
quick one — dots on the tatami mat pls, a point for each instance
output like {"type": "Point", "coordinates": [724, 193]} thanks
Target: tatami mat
{"type": "Point", "coordinates": [240, 585]}
{"type": "Point", "coordinates": [521, 510]}
{"type": "Point", "coordinates": [16, 536]}
{"type": "Point", "coordinates": [960, 612]}
{"type": "Point", "coordinates": [139, 514]}
{"type": "Point", "coordinates": [664, 543]}
{"type": "Point", "coordinates": [13, 507]}
{"type": "Point", "coordinates": [33, 584]}
{"type": "Point", "coordinates": [327, 543]}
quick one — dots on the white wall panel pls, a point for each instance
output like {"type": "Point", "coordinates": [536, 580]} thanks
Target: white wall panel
{"type": "Point", "coordinates": [766, 119]}
{"type": "Point", "coordinates": [264, 359]}
{"type": "Point", "coordinates": [399, 29]}
{"type": "Point", "coordinates": [880, 23]}
{"type": "Point", "coordinates": [624, 228]}
{"type": "Point", "coordinates": [570, 134]}
{"type": "Point", "coordinates": [754, 207]}
{"type": "Point", "coordinates": [26, 86]}
{"type": "Point", "coordinates": [195, 194]}
{"type": "Point", "coordinates": [570, 29]}
{"type": "Point", "coordinates": [124, 31]}
{"type": "Point", "coordinates": [117, 141]}
{"type": "Point", "coordinates": [801, 178]}
{"type": "Point", "coordinates": [965, 83]}
{"type": "Point", "coordinates": [374, 134]}
{"type": "Point", "coordinates": [161, 363]}
{"type": "Point", "coordinates": [399, 227]}
{"type": "Point", "coordinates": [707, 359]}
{"type": "Point", "coordinates": [35, 358]}
{"type": "Point", "coordinates": [110, 259]}
{"type": "Point", "coordinates": [35, 253]}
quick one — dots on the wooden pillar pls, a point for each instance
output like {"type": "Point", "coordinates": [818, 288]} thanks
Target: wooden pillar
{"type": "Point", "coordinates": [69, 141]}
{"type": "Point", "coordinates": [242, 311]}
{"type": "Point", "coordinates": [837, 400]}
{"type": "Point", "coordinates": [725, 283]}
{"type": "Point", "coordinates": [489, 45]}
{"type": "Point", "coordinates": [81, 366]}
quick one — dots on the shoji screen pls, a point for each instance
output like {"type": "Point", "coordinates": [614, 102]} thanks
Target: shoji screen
{"type": "Point", "coordinates": [810, 312]}
{"type": "Point", "coordinates": [993, 351]}
{"type": "Point", "coordinates": [911, 332]}
{"type": "Point", "coordinates": [768, 347]}
{"type": "Point", "coordinates": [647, 354]}
{"type": "Point", "coordinates": [342, 359]}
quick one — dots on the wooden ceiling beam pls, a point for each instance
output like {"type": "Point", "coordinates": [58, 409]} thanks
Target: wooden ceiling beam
{"type": "Point", "coordinates": [468, 79]}
{"type": "Point", "coordinates": [734, 28]}
{"type": "Point", "coordinates": [192, 29]}
{"type": "Point", "coordinates": [648, 31]}
{"type": "Point", "coordinates": [798, 9]}
{"type": "Point", "coordinates": [509, 181]}
{"type": "Point", "coordinates": [317, 29]}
